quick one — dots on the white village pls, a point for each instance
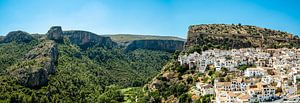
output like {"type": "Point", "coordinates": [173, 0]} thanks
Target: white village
{"type": "Point", "coordinates": [249, 74]}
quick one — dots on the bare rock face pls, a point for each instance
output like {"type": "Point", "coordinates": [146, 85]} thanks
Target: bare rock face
{"type": "Point", "coordinates": [37, 65]}
{"type": "Point", "coordinates": [33, 77]}
{"type": "Point", "coordinates": [55, 33]}
{"type": "Point", "coordinates": [86, 39]}
{"type": "Point", "coordinates": [226, 36]}
{"type": "Point", "coordinates": [18, 36]}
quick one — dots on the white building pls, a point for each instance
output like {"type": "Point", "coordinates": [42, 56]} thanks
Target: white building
{"type": "Point", "coordinates": [254, 72]}
{"type": "Point", "coordinates": [261, 92]}
{"type": "Point", "coordinates": [205, 89]}
{"type": "Point", "coordinates": [267, 79]}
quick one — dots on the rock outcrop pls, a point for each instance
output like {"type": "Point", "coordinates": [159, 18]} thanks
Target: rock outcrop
{"type": "Point", "coordinates": [226, 36]}
{"type": "Point", "coordinates": [162, 45]}
{"type": "Point", "coordinates": [17, 36]}
{"type": "Point", "coordinates": [55, 33]}
{"type": "Point", "coordinates": [86, 39]}
{"type": "Point", "coordinates": [37, 65]}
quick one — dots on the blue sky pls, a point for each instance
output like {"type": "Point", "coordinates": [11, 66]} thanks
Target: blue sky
{"type": "Point", "coordinates": [153, 17]}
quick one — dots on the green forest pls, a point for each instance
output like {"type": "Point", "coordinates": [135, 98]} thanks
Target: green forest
{"type": "Point", "coordinates": [97, 74]}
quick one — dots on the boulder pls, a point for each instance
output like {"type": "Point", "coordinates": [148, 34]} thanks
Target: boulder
{"type": "Point", "coordinates": [55, 33]}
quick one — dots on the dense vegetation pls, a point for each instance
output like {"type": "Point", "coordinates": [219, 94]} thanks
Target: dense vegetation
{"type": "Point", "coordinates": [175, 83]}
{"type": "Point", "coordinates": [111, 74]}
{"type": "Point", "coordinates": [230, 29]}
{"type": "Point", "coordinates": [96, 74]}
{"type": "Point", "coordinates": [225, 36]}
{"type": "Point", "coordinates": [12, 52]}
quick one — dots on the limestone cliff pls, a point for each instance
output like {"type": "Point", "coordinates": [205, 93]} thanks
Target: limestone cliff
{"type": "Point", "coordinates": [37, 65]}
{"type": "Point", "coordinates": [226, 36]}
{"type": "Point", "coordinates": [55, 33]}
{"type": "Point", "coordinates": [87, 39]}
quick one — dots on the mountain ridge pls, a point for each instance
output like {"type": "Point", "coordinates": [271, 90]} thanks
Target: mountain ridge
{"type": "Point", "coordinates": [95, 68]}
{"type": "Point", "coordinates": [84, 70]}
{"type": "Point", "coordinates": [229, 36]}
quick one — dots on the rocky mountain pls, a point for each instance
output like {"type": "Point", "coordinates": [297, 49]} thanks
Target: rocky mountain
{"type": "Point", "coordinates": [81, 66]}
{"type": "Point", "coordinates": [86, 39]}
{"type": "Point", "coordinates": [37, 65]}
{"type": "Point", "coordinates": [55, 33]}
{"type": "Point", "coordinates": [68, 66]}
{"type": "Point", "coordinates": [174, 82]}
{"type": "Point", "coordinates": [226, 36]}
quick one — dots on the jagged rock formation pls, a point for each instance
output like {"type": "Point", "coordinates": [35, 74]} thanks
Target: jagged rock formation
{"type": "Point", "coordinates": [89, 71]}
{"type": "Point", "coordinates": [55, 33]}
{"type": "Point", "coordinates": [162, 45]}
{"type": "Point", "coordinates": [37, 65]}
{"type": "Point", "coordinates": [17, 36]}
{"type": "Point", "coordinates": [239, 36]}
{"type": "Point", "coordinates": [87, 39]}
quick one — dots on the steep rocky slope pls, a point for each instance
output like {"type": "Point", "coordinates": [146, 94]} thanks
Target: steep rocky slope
{"type": "Point", "coordinates": [55, 33]}
{"type": "Point", "coordinates": [227, 36]}
{"type": "Point", "coordinates": [175, 82]}
{"type": "Point", "coordinates": [87, 39]}
{"type": "Point", "coordinates": [84, 39]}
{"type": "Point", "coordinates": [37, 65]}
{"type": "Point", "coordinates": [69, 66]}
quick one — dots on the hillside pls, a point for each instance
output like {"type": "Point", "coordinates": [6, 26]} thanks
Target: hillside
{"type": "Point", "coordinates": [226, 36]}
{"type": "Point", "coordinates": [68, 66]}
{"type": "Point", "coordinates": [175, 83]}
{"type": "Point", "coordinates": [81, 66]}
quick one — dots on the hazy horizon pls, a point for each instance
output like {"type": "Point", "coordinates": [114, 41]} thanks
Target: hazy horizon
{"type": "Point", "coordinates": [147, 17]}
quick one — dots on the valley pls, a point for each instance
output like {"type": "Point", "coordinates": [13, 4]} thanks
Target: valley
{"type": "Point", "coordinates": [81, 66]}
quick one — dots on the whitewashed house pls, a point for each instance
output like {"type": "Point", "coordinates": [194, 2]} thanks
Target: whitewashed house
{"type": "Point", "coordinates": [267, 79]}
{"type": "Point", "coordinates": [205, 89]}
{"type": "Point", "coordinates": [254, 72]}
{"type": "Point", "coordinates": [261, 92]}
